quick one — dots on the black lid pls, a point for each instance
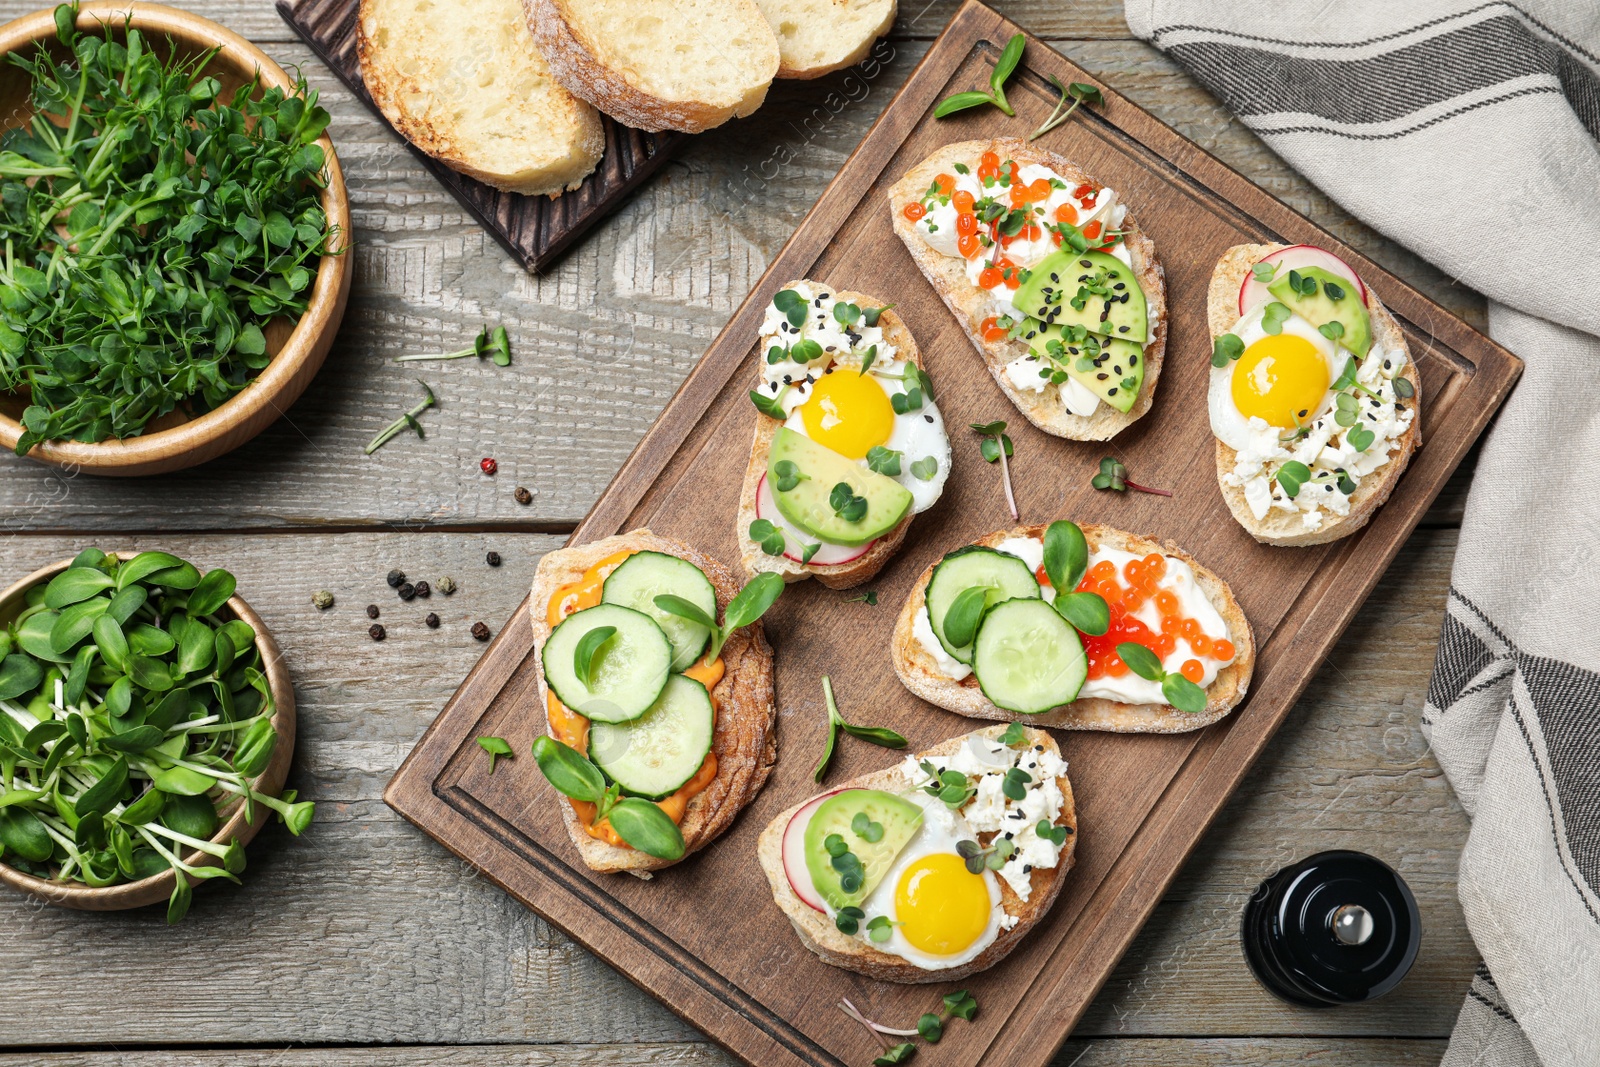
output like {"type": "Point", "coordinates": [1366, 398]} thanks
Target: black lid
{"type": "Point", "coordinates": [1335, 928]}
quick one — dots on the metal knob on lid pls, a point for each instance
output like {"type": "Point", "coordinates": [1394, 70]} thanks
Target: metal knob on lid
{"type": "Point", "coordinates": [1335, 928]}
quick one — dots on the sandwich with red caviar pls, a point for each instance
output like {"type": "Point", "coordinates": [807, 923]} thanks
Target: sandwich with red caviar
{"type": "Point", "coordinates": [1048, 273]}
{"type": "Point", "coordinates": [659, 720]}
{"type": "Point", "coordinates": [1082, 628]}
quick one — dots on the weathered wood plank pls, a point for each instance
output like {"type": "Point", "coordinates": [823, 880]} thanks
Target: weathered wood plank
{"type": "Point", "coordinates": [364, 930]}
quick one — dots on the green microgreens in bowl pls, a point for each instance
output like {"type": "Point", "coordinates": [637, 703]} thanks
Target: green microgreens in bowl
{"type": "Point", "coordinates": [930, 1026]}
{"type": "Point", "coordinates": [153, 229]}
{"type": "Point", "coordinates": [1079, 93]}
{"type": "Point", "coordinates": [1114, 476]}
{"type": "Point", "coordinates": [495, 347]}
{"type": "Point", "coordinates": [638, 822]}
{"type": "Point", "coordinates": [1003, 68]}
{"type": "Point", "coordinates": [496, 747]}
{"type": "Point", "coordinates": [759, 594]}
{"type": "Point", "coordinates": [134, 716]}
{"type": "Point", "coordinates": [1178, 690]}
{"type": "Point", "coordinates": [996, 448]}
{"type": "Point", "coordinates": [881, 736]}
{"type": "Point", "coordinates": [407, 419]}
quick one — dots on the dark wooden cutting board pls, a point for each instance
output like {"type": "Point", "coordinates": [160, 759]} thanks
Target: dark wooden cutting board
{"type": "Point", "coordinates": [704, 937]}
{"type": "Point", "coordinates": [536, 230]}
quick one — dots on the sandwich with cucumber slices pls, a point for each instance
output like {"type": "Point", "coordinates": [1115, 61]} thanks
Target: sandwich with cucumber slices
{"type": "Point", "coordinates": [655, 695]}
{"type": "Point", "coordinates": [1078, 627]}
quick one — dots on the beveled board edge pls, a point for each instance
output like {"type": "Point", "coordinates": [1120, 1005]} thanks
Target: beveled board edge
{"type": "Point", "coordinates": [535, 230]}
{"type": "Point", "coordinates": [1043, 1017]}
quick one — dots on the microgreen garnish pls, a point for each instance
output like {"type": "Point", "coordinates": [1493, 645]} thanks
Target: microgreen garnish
{"type": "Point", "coordinates": [869, 598]}
{"type": "Point", "coordinates": [1347, 377]}
{"type": "Point", "coordinates": [930, 1026]}
{"type": "Point", "coordinates": [870, 316]}
{"type": "Point", "coordinates": [787, 475]}
{"type": "Point", "coordinates": [1360, 437]}
{"type": "Point", "coordinates": [869, 359]}
{"type": "Point", "coordinates": [951, 787]}
{"type": "Point", "coordinates": [925, 468]}
{"type": "Point", "coordinates": [1015, 785]}
{"type": "Point", "coordinates": [496, 747]}
{"type": "Point", "coordinates": [638, 822]}
{"type": "Point", "coordinates": [792, 305]}
{"type": "Point", "coordinates": [848, 918]}
{"type": "Point", "coordinates": [1274, 317]}
{"type": "Point", "coordinates": [1014, 735]}
{"type": "Point", "coordinates": [808, 551]}
{"type": "Point", "coordinates": [884, 460]}
{"type": "Point", "coordinates": [1225, 348]}
{"type": "Point", "coordinates": [1056, 835]}
{"type": "Point", "coordinates": [1347, 409]}
{"type": "Point", "coordinates": [759, 594]}
{"type": "Point", "coordinates": [768, 536]}
{"type": "Point", "coordinates": [846, 504]}
{"type": "Point", "coordinates": [1304, 284]}
{"type": "Point", "coordinates": [881, 928]}
{"type": "Point", "coordinates": [1178, 690]}
{"type": "Point", "coordinates": [847, 315]}
{"type": "Point", "coordinates": [996, 447]}
{"type": "Point", "coordinates": [1079, 93]}
{"type": "Point", "coordinates": [997, 94]}
{"type": "Point", "coordinates": [1114, 476]}
{"type": "Point", "coordinates": [1346, 484]}
{"type": "Point", "coordinates": [495, 346]}
{"type": "Point", "coordinates": [1291, 476]}
{"type": "Point", "coordinates": [771, 406]}
{"type": "Point", "coordinates": [895, 1055]}
{"type": "Point", "coordinates": [1332, 330]}
{"type": "Point", "coordinates": [978, 858]}
{"type": "Point", "coordinates": [409, 419]}
{"type": "Point", "coordinates": [863, 827]}
{"type": "Point", "coordinates": [1334, 290]}
{"type": "Point", "coordinates": [1066, 558]}
{"type": "Point", "coordinates": [881, 736]}
{"type": "Point", "coordinates": [1263, 271]}
{"type": "Point", "coordinates": [851, 873]}
{"type": "Point", "coordinates": [591, 649]}
{"type": "Point", "coordinates": [965, 613]}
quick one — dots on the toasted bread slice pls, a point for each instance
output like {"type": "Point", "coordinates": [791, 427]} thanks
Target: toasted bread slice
{"type": "Point", "coordinates": [969, 304]}
{"type": "Point", "coordinates": [659, 64]}
{"type": "Point", "coordinates": [464, 83]}
{"type": "Point", "coordinates": [744, 742]}
{"type": "Point", "coordinates": [920, 674]}
{"type": "Point", "coordinates": [838, 575]}
{"type": "Point", "coordinates": [1283, 527]}
{"type": "Point", "coordinates": [818, 933]}
{"type": "Point", "coordinates": [817, 37]}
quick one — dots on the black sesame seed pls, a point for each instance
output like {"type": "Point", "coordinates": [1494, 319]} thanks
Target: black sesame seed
{"type": "Point", "coordinates": [1102, 376]}
{"type": "Point", "coordinates": [927, 418]}
{"type": "Point", "coordinates": [1133, 361]}
{"type": "Point", "coordinates": [1122, 329]}
{"type": "Point", "coordinates": [1027, 868]}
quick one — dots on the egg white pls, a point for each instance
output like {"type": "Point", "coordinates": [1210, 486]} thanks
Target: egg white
{"type": "Point", "coordinates": [1228, 423]}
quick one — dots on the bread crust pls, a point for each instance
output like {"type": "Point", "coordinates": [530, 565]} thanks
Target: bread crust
{"type": "Point", "coordinates": [745, 738]}
{"type": "Point", "coordinates": [819, 934]}
{"type": "Point", "coordinates": [948, 276]}
{"type": "Point", "coordinates": [836, 575]}
{"type": "Point", "coordinates": [919, 672]}
{"type": "Point", "coordinates": [1283, 527]}
{"type": "Point", "coordinates": [575, 61]}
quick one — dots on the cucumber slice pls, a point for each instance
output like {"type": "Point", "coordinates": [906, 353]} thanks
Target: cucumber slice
{"type": "Point", "coordinates": [1006, 576]}
{"type": "Point", "coordinates": [1027, 658]}
{"type": "Point", "coordinates": [644, 576]}
{"type": "Point", "coordinates": [654, 755]}
{"type": "Point", "coordinates": [631, 672]}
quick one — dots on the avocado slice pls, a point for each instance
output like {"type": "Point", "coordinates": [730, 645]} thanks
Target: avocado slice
{"type": "Point", "coordinates": [1319, 309]}
{"type": "Point", "coordinates": [1109, 367]}
{"type": "Point", "coordinates": [1113, 303]}
{"type": "Point", "coordinates": [900, 820]}
{"type": "Point", "coordinates": [809, 503]}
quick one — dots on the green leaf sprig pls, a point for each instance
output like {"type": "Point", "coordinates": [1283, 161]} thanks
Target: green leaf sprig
{"type": "Point", "coordinates": [759, 594]}
{"type": "Point", "coordinates": [1066, 559]}
{"type": "Point", "coordinates": [765, 533]}
{"type": "Point", "coordinates": [408, 419]}
{"type": "Point", "coordinates": [881, 736]}
{"type": "Point", "coordinates": [496, 747]}
{"type": "Point", "coordinates": [930, 1026]}
{"type": "Point", "coordinates": [979, 859]}
{"type": "Point", "coordinates": [495, 347]}
{"type": "Point", "coordinates": [1178, 690]}
{"type": "Point", "coordinates": [1003, 68]}
{"type": "Point", "coordinates": [638, 822]}
{"type": "Point", "coordinates": [1079, 93]}
{"type": "Point", "coordinates": [1114, 476]}
{"type": "Point", "coordinates": [996, 448]}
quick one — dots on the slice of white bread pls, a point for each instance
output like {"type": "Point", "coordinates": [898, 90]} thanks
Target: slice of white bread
{"type": "Point", "coordinates": [744, 742]}
{"type": "Point", "coordinates": [818, 933]}
{"type": "Point", "coordinates": [971, 305]}
{"type": "Point", "coordinates": [817, 37]}
{"type": "Point", "coordinates": [839, 575]}
{"type": "Point", "coordinates": [919, 672]}
{"type": "Point", "coordinates": [659, 64]}
{"type": "Point", "coordinates": [462, 81]}
{"type": "Point", "coordinates": [1283, 527]}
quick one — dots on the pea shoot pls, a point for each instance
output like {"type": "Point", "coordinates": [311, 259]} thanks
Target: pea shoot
{"type": "Point", "coordinates": [1179, 691]}
{"type": "Point", "coordinates": [996, 448]}
{"type": "Point", "coordinates": [1003, 69]}
{"type": "Point", "coordinates": [496, 747]}
{"type": "Point", "coordinates": [759, 594]}
{"type": "Point", "coordinates": [881, 736]}
{"type": "Point", "coordinates": [640, 823]}
{"type": "Point", "coordinates": [407, 419]}
{"type": "Point", "coordinates": [495, 347]}
{"type": "Point", "coordinates": [1079, 93]}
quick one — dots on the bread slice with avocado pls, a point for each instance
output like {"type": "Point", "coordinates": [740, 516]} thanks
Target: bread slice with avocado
{"type": "Point", "coordinates": [820, 932]}
{"type": "Point", "coordinates": [817, 37]}
{"type": "Point", "coordinates": [464, 83]}
{"type": "Point", "coordinates": [744, 740]}
{"type": "Point", "coordinates": [659, 64]}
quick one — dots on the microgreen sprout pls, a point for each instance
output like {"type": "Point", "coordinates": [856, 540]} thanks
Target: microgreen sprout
{"type": "Point", "coordinates": [759, 594]}
{"type": "Point", "coordinates": [638, 822]}
{"type": "Point", "coordinates": [1079, 93]}
{"type": "Point", "coordinates": [496, 747]}
{"type": "Point", "coordinates": [881, 736]}
{"type": "Point", "coordinates": [930, 1026]}
{"type": "Point", "coordinates": [1114, 476]}
{"type": "Point", "coordinates": [978, 859]}
{"type": "Point", "coordinates": [495, 346]}
{"type": "Point", "coordinates": [764, 533]}
{"type": "Point", "coordinates": [1003, 68]}
{"type": "Point", "coordinates": [869, 598]}
{"type": "Point", "coordinates": [996, 448]}
{"type": "Point", "coordinates": [409, 419]}
{"type": "Point", "coordinates": [1179, 691]}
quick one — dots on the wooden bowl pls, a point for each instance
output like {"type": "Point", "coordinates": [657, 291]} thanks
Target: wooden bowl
{"type": "Point", "coordinates": [158, 887]}
{"type": "Point", "coordinates": [174, 442]}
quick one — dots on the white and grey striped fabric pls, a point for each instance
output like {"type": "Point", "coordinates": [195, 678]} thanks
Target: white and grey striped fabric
{"type": "Point", "coordinates": [1467, 131]}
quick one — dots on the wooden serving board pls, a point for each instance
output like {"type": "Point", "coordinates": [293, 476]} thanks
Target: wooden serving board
{"type": "Point", "coordinates": [536, 230]}
{"type": "Point", "coordinates": [704, 937]}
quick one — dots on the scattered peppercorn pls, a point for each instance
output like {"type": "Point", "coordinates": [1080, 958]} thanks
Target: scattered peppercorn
{"type": "Point", "coordinates": [423, 590]}
{"type": "Point", "coordinates": [432, 620]}
{"type": "Point", "coordinates": [493, 559]}
{"type": "Point", "coordinates": [447, 585]}
{"type": "Point", "coordinates": [396, 579]}
{"type": "Point", "coordinates": [480, 631]}
{"type": "Point", "coordinates": [375, 631]}
{"type": "Point", "coordinates": [488, 466]}
{"type": "Point", "coordinates": [322, 599]}
{"type": "Point", "coordinates": [407, 591]}
{"type": "Point", "coordinates": [523, 496]}
{"type": "Point", "coordinates": [372, 611]}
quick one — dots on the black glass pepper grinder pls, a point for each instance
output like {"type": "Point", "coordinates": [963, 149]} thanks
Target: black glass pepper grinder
{"type": "Point", "coordinates": [1335, 928]}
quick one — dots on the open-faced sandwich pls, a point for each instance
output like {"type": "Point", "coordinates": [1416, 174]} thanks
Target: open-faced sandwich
{"type": "Point", "coordinates": [1314, 398]}
{"type": "Point", "coordinates": [1048, 273]}
{"type": "Point", "coordinates": [932, 869]}
{"type": "Point", "coordinates": [659, 720]}
{"type": "Point", "coordinates": [1085, 628]}
{"type": "Point", "coordinates": [848, 445]}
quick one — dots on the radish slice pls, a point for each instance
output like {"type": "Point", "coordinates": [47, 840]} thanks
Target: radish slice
{"type": "Point", "coordinates": [795, 541]}
{"type": "Point", "coordinates": [1253, 291]}
{"type": "Point", "coordinates": [794, 854]}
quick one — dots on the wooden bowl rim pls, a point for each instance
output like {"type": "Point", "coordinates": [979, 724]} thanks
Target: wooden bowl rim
{"type": "Point", "coordinates": [270, 781]}
{"type": "Point", "coordinates": [263, 391]}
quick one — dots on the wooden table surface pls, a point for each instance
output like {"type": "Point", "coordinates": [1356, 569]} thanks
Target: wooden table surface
{"type": "Point", "coordinates": [364, 942]}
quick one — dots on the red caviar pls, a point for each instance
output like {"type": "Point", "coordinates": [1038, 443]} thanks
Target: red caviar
{"type": "Point", "coordinates": [1124, 600]}
{"type": "Point", "coordinates": [993, 332]}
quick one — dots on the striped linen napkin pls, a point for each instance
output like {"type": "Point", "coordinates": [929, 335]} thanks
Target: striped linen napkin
{"type": "Point", "coordinates": [1468, 132]}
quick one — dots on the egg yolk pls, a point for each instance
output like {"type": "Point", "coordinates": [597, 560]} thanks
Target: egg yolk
{"type": "Point", "coordinates": [848, 412]}
{"type": "Point", "coordinates": [941, 906]}
{"type": "Point", "coordinates": [1280, 379]}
